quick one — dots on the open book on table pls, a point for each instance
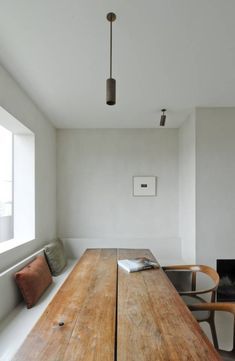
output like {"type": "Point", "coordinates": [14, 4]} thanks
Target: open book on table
{"type": "Point", "coordinates": [137, 264]}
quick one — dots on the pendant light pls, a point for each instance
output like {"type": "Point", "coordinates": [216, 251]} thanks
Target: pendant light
{"type": "Point", "coordinates": [110, 82]}
{"type": "Point", "coordinates": [163, 118]}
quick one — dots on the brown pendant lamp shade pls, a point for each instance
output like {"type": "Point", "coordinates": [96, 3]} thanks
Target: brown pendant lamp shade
{"type": "Point", "coordinates": [110, 82]}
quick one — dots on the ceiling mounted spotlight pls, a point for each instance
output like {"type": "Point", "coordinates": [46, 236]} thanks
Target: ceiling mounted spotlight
{"type": "Point", "coordinates": [110, 82]}
{"type": "Point", "coordinates": [163, 118]}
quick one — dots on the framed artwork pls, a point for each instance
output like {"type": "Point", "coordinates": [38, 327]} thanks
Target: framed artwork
{"type": "Point", "coordinates": [144, 186]}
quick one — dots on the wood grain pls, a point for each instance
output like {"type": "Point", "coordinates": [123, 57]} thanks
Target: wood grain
{"type": "Point", "coordinates": [86, 303]}
{"type": "Point", "coordinates": [153, 322]}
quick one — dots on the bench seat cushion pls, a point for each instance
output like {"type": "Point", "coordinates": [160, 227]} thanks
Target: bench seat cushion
{"type": "Point", "coordinates": [33, 280]}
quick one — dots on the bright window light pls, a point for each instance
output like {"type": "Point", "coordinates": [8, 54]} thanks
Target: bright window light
{"type": "Point", "coordinates": [6, 166]}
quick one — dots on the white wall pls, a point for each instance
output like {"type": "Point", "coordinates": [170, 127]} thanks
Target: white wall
{"type": "Point", "coordinates": [187, 188]}
{"type": "Point", "coordinates": [16, 102]}
{"type": "Point", "coordinates": [215, 174]}
{"type": "Point", "coordinates": [95, 203]}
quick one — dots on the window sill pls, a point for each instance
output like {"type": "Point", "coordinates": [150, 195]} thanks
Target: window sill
{"type": "Point", "coordinates": [12, 243]}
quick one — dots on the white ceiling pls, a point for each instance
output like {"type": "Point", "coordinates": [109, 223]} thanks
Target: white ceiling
{"type": "Point", "coordinates": [176, 54]}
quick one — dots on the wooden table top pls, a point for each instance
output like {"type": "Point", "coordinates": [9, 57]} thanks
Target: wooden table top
{"type": "Point", "coordinates": [112, 315]}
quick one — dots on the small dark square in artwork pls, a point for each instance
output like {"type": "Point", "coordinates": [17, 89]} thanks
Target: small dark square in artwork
{"type": "Point", "coordinates": [144, 185]}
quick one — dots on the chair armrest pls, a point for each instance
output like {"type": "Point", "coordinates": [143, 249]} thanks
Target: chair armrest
{"type": "Point", "coordinates": [217, 306]}
{"type": "Point", "coordinates": [209, 271]}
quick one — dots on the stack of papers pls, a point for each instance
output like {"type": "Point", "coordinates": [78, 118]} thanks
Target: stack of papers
{"type": "Point", "coordinates": [137, 264]}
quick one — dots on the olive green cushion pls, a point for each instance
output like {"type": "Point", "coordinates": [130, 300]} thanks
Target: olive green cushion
{"type": "Point", "coordinates": [55, 256]}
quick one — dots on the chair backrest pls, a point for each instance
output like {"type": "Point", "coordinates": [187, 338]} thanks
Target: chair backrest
{"type": "Point", "coordinates": [218, 306]}
{"type": "Point", "coordinates": [183, 281]}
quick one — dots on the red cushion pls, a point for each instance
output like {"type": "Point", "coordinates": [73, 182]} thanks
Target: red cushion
{"type": "Point", "coordinates": [33, 279]}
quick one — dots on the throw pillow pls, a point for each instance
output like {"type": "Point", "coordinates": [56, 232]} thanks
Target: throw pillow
{"type": "Point", "coordinates": [33, 280]}
{"type": "Point", "coordinates": [55, 255]}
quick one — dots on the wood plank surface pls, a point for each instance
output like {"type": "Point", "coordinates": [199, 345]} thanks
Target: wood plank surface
{"type": "Point", "coordinates": [86, 304]}
{"type": "Point", "coordinates": [153, 323]}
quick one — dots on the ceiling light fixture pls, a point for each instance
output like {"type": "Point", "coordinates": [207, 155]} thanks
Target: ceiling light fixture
{"type": "Point", "coordinates": [163, 118]}
{"type": "Point", "coordinates": [110, 82]}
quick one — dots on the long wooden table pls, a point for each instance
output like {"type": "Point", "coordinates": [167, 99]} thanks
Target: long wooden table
{"type": "Point", "coordinates": [103, 313]}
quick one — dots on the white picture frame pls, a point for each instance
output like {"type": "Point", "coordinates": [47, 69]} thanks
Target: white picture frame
{"type": "Point", "coordinates": [144, 186]}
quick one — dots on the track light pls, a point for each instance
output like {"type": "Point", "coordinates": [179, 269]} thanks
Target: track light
{"type": "Point", "coordinates": [163, 118]}
{"type": "Point", "coordinates": [110, 82]}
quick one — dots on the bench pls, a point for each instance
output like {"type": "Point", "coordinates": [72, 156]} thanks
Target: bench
{"type": "Point", "coordinates": [15, 327]}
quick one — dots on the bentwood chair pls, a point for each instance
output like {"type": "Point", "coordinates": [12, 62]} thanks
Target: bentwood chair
{"type": "Point", "coordinates": [184, 278]}
{"type": "Point", "coordinates": [225, 307]}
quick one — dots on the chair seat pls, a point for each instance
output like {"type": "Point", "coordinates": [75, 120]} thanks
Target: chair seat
{"type": "Point", "coordinates": [192, 300]}
{"type": "Point", "coordinates": [227, 356]}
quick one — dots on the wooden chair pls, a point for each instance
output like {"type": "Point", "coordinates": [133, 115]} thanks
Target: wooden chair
{"type": "Point", "coordinates": [225, 307]}
{"type": "Point", "coordinates": [184, 278]}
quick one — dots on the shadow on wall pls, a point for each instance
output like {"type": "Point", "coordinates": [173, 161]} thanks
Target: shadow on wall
{"type": "Point", "coordinates": [166, 250]}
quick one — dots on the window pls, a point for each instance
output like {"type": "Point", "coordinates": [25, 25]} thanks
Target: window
{"type": "Point", "coordinates": [6, 191]}
{"type": "Point", "coordinates": [17, 182]}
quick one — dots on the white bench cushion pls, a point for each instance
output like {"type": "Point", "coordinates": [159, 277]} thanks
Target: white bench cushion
{"type": "Point", "coordinates": [17, 325]}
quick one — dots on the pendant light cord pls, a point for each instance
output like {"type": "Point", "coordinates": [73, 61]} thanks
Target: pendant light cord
{"type": "Point", "coordinates": [111, 45]}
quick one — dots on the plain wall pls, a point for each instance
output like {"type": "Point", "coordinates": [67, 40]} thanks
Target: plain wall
{"type": "Point", "coordinates": [187, 189]}
{"type": "Point", "coordinates": [95, 203]}
{"type": "Point", "coordinates": [215, 174]}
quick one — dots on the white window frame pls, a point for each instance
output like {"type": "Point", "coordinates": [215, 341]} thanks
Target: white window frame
{"type": "Point", "coordinates": [23, 212]}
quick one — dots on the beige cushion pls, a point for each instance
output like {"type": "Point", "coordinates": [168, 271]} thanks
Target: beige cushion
{"type": "Point", "coordinates": [33, 280]}
{"type": "Point", "coordinates": [56, 258]}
